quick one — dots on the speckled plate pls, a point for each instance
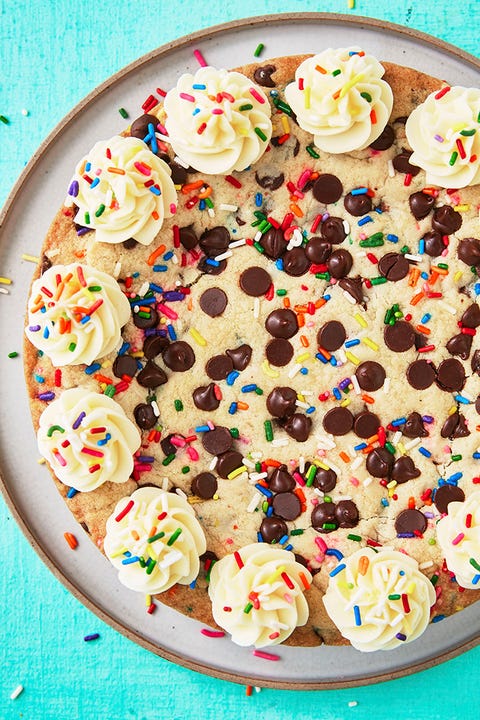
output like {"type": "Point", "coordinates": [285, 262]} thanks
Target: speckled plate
{"type": "Point", "coordinates": [33, 498]}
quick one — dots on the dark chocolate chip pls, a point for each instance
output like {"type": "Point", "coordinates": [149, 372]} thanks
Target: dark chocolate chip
{"type": "Point", "coordinates": [475, 362]}
{"type": "Point", "coordinates": [385, 139]}
{"type": "Point", "coordinates": [213, 301]}
{"type": "Point", "coordinates": [204, 485]}
{"type": "Point", "coordinates": [273, 243]}
{"type": "Point", "coordinates": [471, 316]}
{"type": "Point", "coordinates": [327, 188]}
{"type": "Point", "coordinates": [339, 263]}
{"type": "Point", "coordinates": [414, 426]}
{"type": "Point", "coordinates": [353, 285]}
{"type": "Point", "coordinates": [281, 401]}
{"type": "Point", "coordinates": [338, 421]}
{"type": "Point", "coordinates": [145, 323]}
{"type": "Point", "coordinates": [168, 448]}
{"type": "Point", "coordinates": [281, 480]}
{"type": "Point", "coordinates": [255, 281]}
{"type": "Point", "coordinates": [420, 204]}
{"type": "Point", "coordinates": [477, 404]}
{"type": "Point", "coordinates": [139, 127]}
{"type": "Point", "coordinates": [287, 505]}
{"type": "Point", "coordinates": [370, 375]}
{"type": "Point", "coordinates": [270, 182]}
{"type": "Point", "coordinates": [151, 376]}
{"type": "Point", "coordinates": [366, 424]}
{"type": "Point", "coordinates": [420, 340]}
{"type": "Point", "coordinates": [446, 220]}
{"type": "Point", "coordinates": [282, 323]}
{"type": "Point", "coordinates": [324, 514]}
{"type": "Point", "coordinates": [460, 345]}
{"type": "Point", "coordinates": [346, 514]}
{"type": "Point", "coordinates": [317, 250]}
{"type": "Point", "coordinates": [331, 335]}
{"type": "Point", "coordinates": [410, 521]}
{"type": "Point", "coordinates": [179, 174]}
{"type": "Point", "coordinates": [421, 374]}
{"type": "Point", "coordinates": [333, 230]}
{"type": "Point", "coordinates": [404, 469]}
{"type": "Point", "coordinates": [455, 426]}
{"type": "Point", "coordinates": [469, 251]}
{"type": "Point", "coordinates": [228, 462]}
{"type": "Point", "coordinates": [357, 205]}
{"type": "Point", "coordinates": [401, 163]}
{"type": "Point", "coordinates": [279, 352]}
{"type": "Point", "coordinates": [218, 367]}
{"type": "Point", "coordinates": [273, 529]}
{"type": "Point", "coordinates": [205, 397]}
{"type": "Point", "coordinates": [451, 375]}
{"type": "Point", "coordinates": [179, 356]}
{"type": "Point", "coordinates": [393, 266]}
{"type": "Point", "coordinates": [153, 345]}
{"type": "Point", "coordinates": [263, 75]}
{"type": "Point", "coordinates": [124, 365]}
{"type": "Point", "coordinates": [399, 337]}
{"type": "Point", "coordinates": [217, 441]}
{"type": "Point", "coordinates": [446, 494]}
{"type": "Point", "coordinates": [295, 262]}
{"type": "Point", "coordinates": [434, 245]}
{"type": "Point", "coordinates": [144, 416]}
{"type": "Point", "coordinates": [380, 462]}
{"type": "Point", "coordinates": [46, 264]}
{"type": "Point", "coordinates": [298, 426]}
{"type": "Point", "coordinates": [215, 241]}
{"type": "Point", "coordinates": [325, 480]}
{"type": "Point", "coordinates": [240, 356]}
{"type": "Point", "coordinates": [129, 244]}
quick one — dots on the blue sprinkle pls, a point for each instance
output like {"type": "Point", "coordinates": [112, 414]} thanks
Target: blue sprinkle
{"type": "Point", "coordinates": [359, 191]}
{"type": "Point", "coordinates": [72, 492]}
{"type": "Point", "coordinates": [155, 190]}
{"type": "Point", "coordinates": [88, 166]}
{"type": "Point", "coordinates": [424, 452]}
{"type": "Point", "coordinates": [231, 377]}
{"type": "Point", "coordinates": [130, 560]}
{"type": "Point", "coordinates": [283, 539]}
{"type": "Point", "coordinates": [153, 139]}
{"type": "Point", "coordinates": [249, 388]}
{"type": "Point", "coordinates": [171, 332]}
{"type": "Point", "coordinates": [289, 547]}
{"type": "Point", "coordinates": [337, 570]}
{"type": "Point", "coordinates": [462, 400]}
{"type": "Point", "coordinates": [123, 349]}
{"type": "Point", "coordinates": [260, 537]}
{"type": "Point", "coordinates": [337, 393]}
{"type": "Point", "coordinates": [327, 297]}
{"type": "Point", "coordinates": [39, 378]}
{"type": "Point", "coordinates": [199, 86]}
{"type": "Point", "coordinates": [173, 296]}
{"type": "Point", "coordinates": [402, 573]}
{"type": "Point", "coordinates": [335, 552]}
{"type": "Point", "coordinates": [233, 408]}
{"type": "Point", "coordinates": [279, 264]}
{"type": "Point", "coordinates": [360, 447]}
{"type": "Point", "coordinates": [143, 301]}
{"type": "Point", "coordinates": [258, 199]}
{"type": "Point", "coordinates": [155, 288]}
{"type": "Point", "coordinates": [202, 204]}
{"type": "Point", "coordinates": [160, 268]}
{"type": "Point", "coordinates": [392, 238]}
{"type": "Point", "coordinates": [400, 421]}
{"type": "Point", "coordinates": [192, 584]}
{"type": "Point", "coordinates": [425, 318]}
{"type": "Point", "coordinates": [46, 333]}
{"type": "Point", "coordinates": [421, 246]}
{"type": "Point", "coordinates": [384, 502]}
{"type": "Point", "coordinates": [95, 183]}
{"type": "Point", "coordinates": [264, 490]}
{"type": "Point", "coordinates": [92, 368]}
{"type": "Point", "coordinates": [135, 274]}
{"type": "Point", "coordinates": [196, 111]}
{"type": "Point", "coordinates": [202, 428]}
{"type": "Point", "coordinates": [437, 618]}
{"type": "Point", "coordinates": [356, 612]}
{"type": "Point", "coordinates": [378, 209]}
{"type": "Point", "coordinates": [424, 275]}
{"type": "Point", "coordinates": [212, 262]}
{"type": "Point", "coordinates": [476, 455]}
{"type": "Point", "coordinates": [405, 535]}
{"type": "Point", "coordinates": [322, 359]}
{"type": "Point", "coordinates": [352, 343]}
{"type": "Point", "coordinates": [365, 220]}
{"type": "Point", "coordinates": [476, 287]}
{"type": "Point", "coordinates": [303, 371]}
{"type": "Point", "coordinates": [475, 579]}
{"type": "Point", "coordinates": [310, 410]}
{"type": "Point", "coordinates": [333, 361]}
{"type": "Point", "coordinates": [168, 255]}
{"type": "Point", "coordinates": [105, 440]}
{"type": "Point", "coordinates": [269, 512]}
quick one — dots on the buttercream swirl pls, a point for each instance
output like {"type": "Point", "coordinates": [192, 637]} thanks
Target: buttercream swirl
{"type": "Point", "coordinates": [75, 314]}
{"type": "Point", "coordinates": [380, 600]}
{"type": "Point", "coordinates": [218, 121]}
{"type": "Point", "coordinates": [122, 191]}
{"type": "Point", "coordinates": [257, 594]}
{"type": "Point", "coordinates": [87, 439]}
{"type": "Point", "coordinates": [339, 96]}
{"type": "Point", "coordinates": [458, 534]}
{"type": "Point", "coordinates": [154, 540]}
{"type": "Point", "coordinates": [444, 133]}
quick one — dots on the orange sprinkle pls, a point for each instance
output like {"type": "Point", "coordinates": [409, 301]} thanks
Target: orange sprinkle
{"type": "Point", "coordinates": [411, 503]}
{"type": "Point", "coordinates": [60, 289]}
{"type": "Point", "coordinates": [439, 270]}
{"type": "Point", "coordinates": [296, 210]}
{"type": "Point", "coordinates": [206, 192]}
{"type": "Point", "coordinates": [416, 298]}
{"type": "Point", "coordinates": [151, 435]}
{"type": "Point", "coordinates": [242, 405]}
{"type": "Point", "coordinates": [190, 304]}
{"type": "Point", "coordinates": [192, 186]}
{"type": "Point", "coordinates": [300, 494]}
{"type": "Point", "coordinates": [153, 531]}
{"type": "Point", "coordinates": [373, 116]}
{"type": "Point", "coordinates": [151, 258]}
{"type": "Point", "coordinates": [270, 462]}
{"type": "Point", "coordinates": [286, 302]}
{"type": "Point", "coordinates": [325, 353]}
{"type": "Point", "coordinates": [102, 378]}
{"type": "Point", "coordinates": [116, 171]}
{"type": "Point", "coordinates": [336, 95]}
{"type": "Point", "coordinates": [135, 535]}
{"type": "Point", "coordinates": [80, 254]}
{"type": "Point", "coordinates": [413, 276]}
{"type": "Point", "coordinates": [155, 215]}
{"type": "Point", "coordinates": [320, 69]}
{"type": "Point", "coordinates": [304, 580]}
{"type": "Point", "coordinates": [300, 308]}
{"type": "Point", "coordinates": [301, 320]}
{"type": "Point", "coordinates": [304, 340]}
{"type": "Point", "coordinates": [368, 399]}
{"type": "Point", "coordinates": [372, 439]}
{"type": "Point", "coordinates": [320, 303]}
{"type": "Point", "coordinates": [423, 329]}
{"type": "Point", "coordinates": [71, 540]}
{"type": "Point", "coordinates": [363, 564]}
{"type": "Point", "coordinates": [345, 457]}
{"type": "Point", "coordinates": [248, 690]}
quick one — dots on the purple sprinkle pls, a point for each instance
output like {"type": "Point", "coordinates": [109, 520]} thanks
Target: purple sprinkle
{"type": "Point", "coordinates": [439, 138]}
{"type": "Point", "coordinates": [429, 515]}
{"type": "Point", "coordinates": [73, 189]}
{"type": "Point", "coordinates": [34, 328]}
{"type": "Point", "coordinates": [344, 383]}
{"type": "Point", "coordinates": [172, 295]}
{"type": "Point", "coordinates": [77, 422]}
{"type": "Point", "coordinates": [146, 459]}
{"type": "Point", "coordinates": [401, 636]}
{"type": "Point", "coordinates": [427, 418]}
{"type": "Point", "coordinates": [405, 535]}
{"type": "Point", "coordinates": [93, 636]}
{"type": "Point", "coordinates": [325, 216]}
{"type": "Point", "coordinates": [83, 231]}
{"type": "Point", "coordinates": [46, 396]}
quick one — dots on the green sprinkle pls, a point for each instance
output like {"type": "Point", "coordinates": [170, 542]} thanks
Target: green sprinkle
{"type": "Point", "coordinates": [378, 280]}
{"type": "Point", "coordinates": [434, 580]}
{"type": "Point", "coordinates": [298, 531]}
{"type": "Point", "coordinates": [248, 106]}
{"type": "Point", "coordinates": [283, 106]}
{"type": "Point", "coordinates": [258, 467]}
{"type": "Point", "coordinates": [100, 210]}
{"type": "Point", "coordinates": [87, 218]}
{"type": "Point", "coordinates": [336, 72]}
{"type": "Point", "coordinates": [366, 96]}
{"type": "Point", "coordinates": [390, 448]}
{"type": "Point", "coordinates": [94, 288]}
{"type": "Point", "coordinates": [110, 390]}
{"type": "Point", "coordinates": [174, 536]}
{"type": "Point", "coordinates": [444, 266]}
{"type": "Point", "coordinates": [432, 541]}
{"type": "Point", "coordinates": [178, 405]}
{"type": "Point", "coordinates": [327, 499]}
{"type": "Point", "coordinates": [281, 292]}
{"type": "Point", "coordinates": [260, 134]}
{"type": "Point", "coordinates": [405, 249]}
{"type": "Point", "coordinates": [185, 469]}
{"type": "Point", "coordinates": [209, 202]}
{"type": "Point", "coordinates": [258, 391]}
{"type": "Point", "coordinates": [143, 314]}
{"type": "Point", "coordinates": [150, 566]}
{"type": "Point", "coordinates": [142, 562]}
{"type": "Point", "coordinates": [323, 276]}
{"type": "Point", "coordinates": [398, 314]}
{"type": "Point", "coordinates": [394, 597]}
{"type": "Point", "coordinates": [329, 526]}
{"type": "Point", "coordinates": [263, 227]}
{"type": "Point", "coordinates": [258, 247]}
{"type": "Point", "coordinates": [258, 50]}
{"type": "Point", "coordinates": [13, 354]}
{"type": "Point", "coordinates": [375, 240]}
{"type": "Point", "coordinates": [467, 133]}
{"type": "Point", "coordinates": [453, 158]}
{"type": "Point", "coordinates": [312, 471]}
{"type": "Point", "coordinates": [350, 536]}
{"type": "Point", "coordinates": [474, 563]}
{"type": "Point", "coordinates": [4, 120]}
{"type": "Point", "coordinates": [311, 151]}
{"type": "Point", "coordinates": [247, 608]}
{"type": "Point", "coordinates": [54, 428]}
{"type": "Point", "coordinates": [123, 112]}
{"type": "Point", "coordinates": [167, 460]}
{"type": "Point", "coordinates": [268, 430]}
{"type": "Point", "coordinates": [265, 506]}
{"type": "Point", "coordinates": [156, 537]}
{"type": "Point", "coordinates": [235, 433]}
{"type": "Point", "coordinates": [72, 346]}
{"type": "Point", "coordinates": [255, 223]}
{"type": "Point", "coordinates": [456, 458]}
{"type": "Point", "coordinates": [260, 215]}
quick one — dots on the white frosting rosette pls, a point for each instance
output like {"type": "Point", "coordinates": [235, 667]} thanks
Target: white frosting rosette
{"type": "Point", "coordinates": [87, 439]}
{"type": "Point", "coordinates": [379, 601]}
{"type": "Point", "coordinates": [257, 594]}
{"type": "Point", "coordinates": [154, 540]}
{"type": "Point", "coordinates": [122, 190]}
{"type": "Point", "coordinates": [458, 534]}
{"type": "Point", "coordinates": [339, 96]}
{"type": "Point", "coordinates": [444, 133]}
{"type": "Point", "coordinates": [218, 121]}
{"type": "Point", "coordinates": [75, 314]}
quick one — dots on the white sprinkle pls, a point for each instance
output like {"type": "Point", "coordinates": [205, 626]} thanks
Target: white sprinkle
{"type": "Point", "coordinates": [391, 169]}
{"type": "Point", "coordinates": [237, 243]}
{"type": "Point", "coordinates": [301, 404]}
{"type": "Point", "coordinates": [335, 468]}
{"type": "Point", "coordinates": [68, 202]}
{"type": "Point", "coordinates": [25, 112]}
{"type": "Point", "coordinates": [257, 454]}
{"type": "Point", "coordinates": [53, 253]}
{"type": "Point", "coordinates": [307, 393]}
{"type": "Point", "coordinates": [415, 258]}
{"type": "Point", "coordinates": [213, 463]}
{"type": "Point", "coordinates": [165, 483]}
{"type": "Point", "coordinates": [325, 443]}
{"type": "Point", "coordinates": [155, 408]}
{"type": "Point", "coordinates": [356, 463]}
{"type": "Point", "coordinates": [169, 559]}
{"type": "Point", "coordinates": [346, 227]}
{"type": "Point", "coordinates": [4, 291]}
{"type": "Point", "coordinates": [386, 386]}
{"type": "Point", "coordinates": [174, 259]}
{"type": "Point", "coordinates": [426, 564]}
{"type": "Point", "coordinates": [254, 502]}
{"type": "Point", "coordinates": [257, 236]}
{"type": "Point", "coordinates": [362, 253]}
{"type": "Point", "coordinates": [248, 463]}
{"type": "Point", "coordinates": [396, 438]}
{"type": "Point", "coordinates": [223, 256]}
{"type": "Point", "coordinates": [117, 269]}
{"type": "Point", "coordinates": [396, 621]}
{"type": "Point", "coordinates": [181, 493]}
{"type": "Point", "coordinates": [279, 442]}
{"type": "Point", "coordinates": [301, 464]}
{"type": "Point", "coordinates": [256, 308]}
{"type": "Point", "coordinates": [228, 208]}
{"type": "Point", "coordinates": [296, 239]}
{"type": "Point", "coordinates": [257, 689]}
{"type": "Point", "coordinates": [181, 162]}
{"type": "Point", "coordinates": [108, 198]}
{"type": "Point", "coordinates": [294, 370]}
{"type": "Point", "coordinates": [467, 396]}
{"type": "Point", "coordinates": [413, 443]}
{"type": "Point", "coordinates": [258, 476]}
{"type": "Point", "coordinates": [447, 307]}
{"type": "Point", "coordinates": [348, 297]}
{"type": "Point", "coordinates": [352, 703]}
{"type": "Point", "coordinates": [18, 690]}
{"type": "Point", "coordinates": [356, 387]}
{"type": "Point", "coordinates": [367, 482]}
{"type": "Point", "coordinates": [144, 289]}
{"type": "Point", "coordinates": [341, 356]}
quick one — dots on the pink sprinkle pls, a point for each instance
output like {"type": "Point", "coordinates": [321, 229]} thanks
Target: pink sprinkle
{"type": "Point", "coordinates": [303, 179]}
{"type": "Point", "coordinates": [173, 208]}
{"type": "Point", "coordinates": [178, 441]}
{"type": "Point", "coordinates": [257, 96]}
{"type": "Point", "coordinates": [89, 451]}
{"type": "Point", "coordinates": [299, 479]}
{"type": "Point", "coordinates": [61, 460]}
{"type": "Point", "coordinates": [321, 544]}
{"type": "Point", "coordinates": [319, 558]}
{"type": "Point", "coordinates": [458, 539]}
{"type": "Point", "coordinates": [186, 96]}
{"type": "Point", "coordinates": [274, 635]}
{"type": "Point", "coordinates": [314, 501]}
{"type": "Point", "coordinates": [212, 633]}
{"type": "Point", "coordinates": [354, 481]}
{"type": "Point", "coordinates": [265, 655]}
{"type": "Point", "coordinates": [210, 425]}
{"type": "Point", "coordinates": [199, 58]}
{"type": "Point", "coordinates": [162, 129]}
{"type": "Point", "coordinates": [217, 111]}
{"type": "Point", "coordinates": [192, 453]}
{"type": "Point", "coordinates": [167, 311]}
{"type": "Point", "coordinates": [288, 598]}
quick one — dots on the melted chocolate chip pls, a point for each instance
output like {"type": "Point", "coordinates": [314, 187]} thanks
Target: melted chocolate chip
{"type": "Point", "coordinates": [215, 241]}
{"type": "Point", "coordinates": [434, 245]}
{"type": "Point", "coordinates": [393, 266]}
{"type": "Point", "coordinates": [153, 345]}
{"type": "Point", "coordinates": [338, 421]}
{"type": "Point", "coordinates": [380, 462]}
{"type": "Point", "coordinates": [255, 281]}
{"type": "Point", "coordinates": [399, 337]}
{"type": "Point", "coordinates": [168, 448]}
{"type": "Point", "coordinates": [357, 205]}
{"type": "Point", "coordinates": [205, 397]}
{"type": "Point", "coordinates": [204, 485]}
{"type": "Point", "coordinates": [339, 263]}
{"type": "Point", "coordinates": [455, 426]}
{"type": "Point", "coordinates": [282, 323]}
{"type": "Point", "coordinates": [469, 251]}
{"type": "Point", "coordinates": [446, 220]}
{"type": "Point", "coordinates": [218, 367]}
{"type": "Point", "coordinates": [213, 301]}
{"type": "Point", "coordinates": [273, 243]}
{"type": "Point", "coordinates": [370, 375]}
{"type": "Point", "coordinates": [460, 345]}
{"type": "Point", "coordinates": [318, 251]}
{"type": "Point", "coordinates": [410, 521]}
{"type": "Point", "coordinates": [208, 269]}
{"type": "Point", "coordinates": [279, 352]}
{"type": "Point", "coordinates": [420, 340]}
{"type": "Point", "coordinates": [263, 75]}
{"type": "Point", "coordinates": [46, 264]}
{"type": "Point", "coordinates": [475, 362]}
{"type": "Point", "coordinates": [298, 426]}
{"type": "Point", "coordinates": [331, 335]}
{"type": "Point", "coordinates": [144, 416]}
{"type": "Point", "coordinates": [273, 529]}
{"type": "Point", "coordinates": [295, 262]}
{"type": "Point", "coordinates": [421, 204]}
{"type": "Point", "coordinates": [124, 365]}
{"type": "Point", "coordinates": [281, 402]}
{"type": "Point", "coordinates": [325, 480]}
{"type": "Point", "coordinates": [139, 127]}
{"type": "Point", "coordinates": [385, 139]}
{"type": "Point", "coordinates": [145, 323]}
{"type": "Point", "coordinates": [240, 356]}
{"type": "Point", "coordinates": [414, 426]}
{"type": "Point", "coordinates": [129, 244]}
{"type": "Point", "coordinates": [281, 480]}
{"type": "Point", "coordinates": [151, 376]}
{"type": "Point", "coordinates": [327, 188]}
{"type": "Point", "coordinates": [446, 494]}
{"type": "Point", "coordinates": [333, 230]}
{"type": "Point", "coordinates": [346, 514]}
{"type": "Point", "coordinates": [471, 316]}
{"type": "Point", "coordinates": [324, 514]}
{"type": "Point", "coordinates": [450, 375]}
{"type": "Point", "coordinates": [217, 441]}
{"type": "Point", "coordinates": [353, 285]}
{"type": "Point", "coordinates": [401, 163]}
{"type": "Point", "coordinates": [404, 469]}
{"type": "Point", "coordinates": [287, 506]}
{"type": "Point", "coordinates": [179, 356]}
{"type": "Point", "coordinates": [270, 182]}
{"type": "Point", "coordinates": [228, 462]}
{"type": "Point", "coordinates": [421, 374]}
{"type": "Point", "coordinates": [179, 173]}
{"type": "Point", "coordinates": [366, 424]}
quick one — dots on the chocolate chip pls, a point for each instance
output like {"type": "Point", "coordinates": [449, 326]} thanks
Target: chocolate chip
{"type": "Point", "coordinates": [325, 480]}
{"type": "Point", "coordinates": [404, 469]}
{"type": "Point", "coordinates": [295, 262]}
{"type": "Point", "coordinates": [460, 345]}
{"type": "Point", "coordinates": [168, 448]}
{"type": "Point", "coordinates": [153, 345]}
{"type": "Point", "coordinates": [281, 401]}
{"type": "Point", "coordinates": [324, 514]}
{"type": "Point", "coordinates": [420, 340]}
{"type": "Point", "coordinates": [279, 352]}
{"type": "Point", "coordinates": [469, 251]}
{"type": "Point", "coordinates": [393, 266]}
{"type": "Point", "coordinates": [385, 139]}
{"type": "Point", "coordinates": [327, 188]}
{"type": "Point", "coordinates": [298, 426]}
{"type": "Point", "coordinates": [217, 441]}
{"type": "Point", "coordinates": [282, 323]}
{"type": "Point", "coordinates": [414, 426]}
{"type": "Point", "coordinates": [255, 281]}
{"type": "Point", "coordinates": [446, 494]}
{"type": "Point", "coordinates": [215, 241]}
{"type": "Point", "coordinates": [420, 204]}
{"type": "Point", "coordinates": [281, 480]}
{"type": "Point", "coordinates": [263, 75]}
{"type": "Point", "coordinates": [333, 230]}
{"type": "Point", "coordinates": [179, 356]}
{"type": "Point", "coordinates": [475, 362]}
{"type": "Point", "coordinates": [410, 521]}
{"type": "Point", "coordinates": [144, 416]}
{"type": "Point", "coordinates": [421, 374]}
{"type": "Point", "coordinates": [366, 424]}
{"type": "Point", "coordinates": [357, 205]}
{"type": "Point", "coordinates": [139, 127]}
{"type": "Point", "coordinates": [380, 462]}
{"type": "Point", "coordinates": [477, 404]}
{"type": "Point", "coordinates": [331, 335]}
{"type": "Point", "coordinates": [145, 323]}
{"type": "Point", "coordinates": [401, 163]}
{"type": "Point", "coordinates": [124, 365]}
{"type": "Point", "coordinates": [370, 375]}
{"type": "Point", "coordinates": [287, 505]}
{"type": "Point", "coordinates": [450, 375]}
{"type": "Point", "coordinates": [339, 263]}
{"type": "Point", "coordinates": [151, 376]}
{"type": "Point", "coordinates": [129, 244]}
{"type": "Point", "coordinates": [240, 356]}
{"type": "Point", "coordinates": [270, 182]}
{"type": "Point", "coordinates": [273, 243]}
{"type": "Point", "coordinates": [46, 264]}
{"type": "Point", "coordinates": [208, 269]}
{"type": "Point", "coordinates": [273, 529]}
{"type": "Point", "coordinates": [353, 285]}
{"type": "Point", "coordinates": [338, 421]}
{"type": "Point", "coordinates": [434, 245]}
{"type": "Point", "coordinates": [228, 462]}
{"type": "Point", "coordinates": [346, 514]}
{"type": "Point", "coordinates": [446, 220]}
{"type": "Point", "coordinates": [205, 397]}
{"type": "Point", "coordinates": [204, 485]}
{"type": "Point", "coordinates": [179, 174]}
{"type": "Point", "coordinates": [455, 426]}
{"type": "Point", "coordinates": [471, 316]}
{"type": "Point", "coordinates": [318, 251]}
{"type": "Point", "coordinates": [213, 301]}
{"type": "Point", "coordinates": [218, 367]}
{"type": "Point", "coordinates": [399, 337]}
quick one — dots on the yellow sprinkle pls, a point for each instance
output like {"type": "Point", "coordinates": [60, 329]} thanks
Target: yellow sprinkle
{"type": "Point", "coordinates": [106, 364]}
{"type": "Point", "coordinates": [275, 574]}
{"type": "Point", "coordinates": [462, 208]}
{"type": "Point", "coordinates": [5, 281]}
{"type": "Point", "coordinates": [268, 370]}
{"type": "Point", "coordinates": [215, 497]}
{"type": "Point", "coordinates": [163, 320]}
{"type": "Point", "coordinates": [300, 397]}
{"type": "Point", "coordinates": [117, 553]}
{"type": "Point", "coordinates": [199, 339]}
{"type": "Point", "coordinates": [307, 97]}
{"type": "Point", "coordinates": [304, 356]}
{"type": "Point", "coordinates": [458, 127]}
{"type": "Point", "coordinates": [30, 258]}
{"type": "Point", "coordinates": [285, 125]}
{"type": "Point", "coordinates": [401, 448]}
{"type": "Point", "coordinates": [392, 484]}
{"type": "Point", "coordinates": [41, 461]}
{"type": "Point", "coordinates": [321, 464]}
{"type": "Point", "coordinates": [353, 358]}
{"type": "Point", "coordinates": [350, 84]}
{"type": "Point", "coordinates": [236, 472]}
{"type": "Point", "coordinates": [370, 343]}
{"type": "Point", "coordinates": [457, 275]}
{"type": "Point", "coordinates": [351, 4]}
{"type": "Point", "coordinates": [148, 600]}
{"type": "Point", "coordinates": [452, 410]}
{"type": "Point", "coordinates": [360, 320]}
{"type": "Point", "coordinates": [410, 587]}
{"type": "Point", "coordinates": [345, 402]}
{"type": "Point", "coordinates": [138, 354]}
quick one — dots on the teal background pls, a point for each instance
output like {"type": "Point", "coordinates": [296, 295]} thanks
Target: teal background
{"type": "Point", "coordinates": [52, 53]}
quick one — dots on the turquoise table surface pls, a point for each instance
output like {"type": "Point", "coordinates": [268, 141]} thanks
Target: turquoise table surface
{"type": "Point", "coordinates": [52, 53]}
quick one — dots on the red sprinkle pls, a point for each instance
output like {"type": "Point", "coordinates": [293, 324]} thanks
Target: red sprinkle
{"type": "Point", "coordinates": [125, 510]}
{"type": "Point", "coordinates": [442, 92]}
{"type": "Point", "coordinates": [405, 603]}
{"type": "Point", "coordinates": [233, 181]}
{"type": "Point", "coordinates": [238, 559]}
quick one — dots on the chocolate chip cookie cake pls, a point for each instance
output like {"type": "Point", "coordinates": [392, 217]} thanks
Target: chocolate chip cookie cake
{"type": "Point", "coordinates": [251, 350]}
